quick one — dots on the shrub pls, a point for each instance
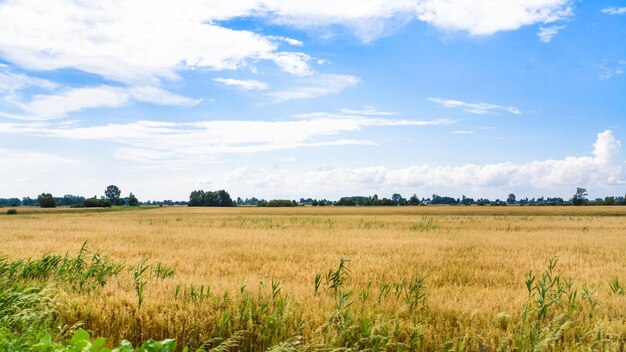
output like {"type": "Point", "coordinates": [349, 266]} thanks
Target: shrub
{"type": "Point", "coordinates": [280, 203]}
{"type": "Point", "coordinates": [12, 212]}
{"type": "Point", "coordinates": [96, 203]}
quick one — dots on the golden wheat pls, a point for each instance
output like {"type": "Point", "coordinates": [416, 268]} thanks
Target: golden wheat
{"type": "Point", "coordinates": [475, 260]}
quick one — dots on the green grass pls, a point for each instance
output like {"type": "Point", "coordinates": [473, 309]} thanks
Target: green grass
{"type": "Point", "coordinates": [67, 210]}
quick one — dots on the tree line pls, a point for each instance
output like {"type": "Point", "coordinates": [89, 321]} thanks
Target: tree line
{"type": "Point", "coordinates": [221, 198]}
{"type": "Point", "coordinates": [111, 197]}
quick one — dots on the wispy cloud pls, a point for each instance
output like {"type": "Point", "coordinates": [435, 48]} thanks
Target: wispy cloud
{"type": "Point", "coordinates": [248, 84]}
{"type": "Point", "coordinates": [614, 10]}
{"type": "Point", "coordinates": [316, 86]}
{"type": "Point", "coordinates": [611, 71]}
{"type": "Point", "coordinates": [11, 82]}
{"type": "Point", "coordinates": [153, 141]}
{"type": "Point", "coordinates": [13, 159]}
{"type": "Point", "coordinates": [60, 104]}
{"type": "Point", "coordinates": [462, 132]}
{"type": "Point", "coordinates": [290, 41]}
{"type": "Point", "coordinates": [546, 34]}
{"type": "Point", "coordinates": [368, 111]}
{"type": "Point", "coordinates": [476, 108]}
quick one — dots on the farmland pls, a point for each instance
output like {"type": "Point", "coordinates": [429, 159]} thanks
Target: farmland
{"type": "Point", "coordinates": [410, 278]}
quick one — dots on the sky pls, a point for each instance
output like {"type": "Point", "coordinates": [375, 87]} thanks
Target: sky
{"type": "Point", "coordinates": [323, 99]}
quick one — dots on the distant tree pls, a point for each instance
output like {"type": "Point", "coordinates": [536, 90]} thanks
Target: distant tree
{"type": "Point", "coordinates": [282, 203]}
{"type": "Point", "coordinates": [346, 201]}
{"type": "Point", "coordinates": [443, 200]}
{"type": "Point", "coordinates": [467, 201]}
{"type": "Point", "coordinates": [580, 197]}
{"type": "Point", "coordinates": [414, 200]}
{"type": "Point", "coordinates": [27, 201]}
{"type": "Point", "coordinates": [609, 201]}
{"type": "Point", "coordinates": [397, 199]}
{"type": "Point", "coordinates": [511, 199]}
{"type": "Point", "coordinates": [46, 200]}
{"type": "Point", "coordinates": [112, 193]}
{"type": "Point", "coordinates": [69, 199]}
{"type": "Point", "coordinates": [201, 198]}
{"type": "Point", "coordinates": [132, 200]}
{"type": "Point", "coordinates": [96, 203]}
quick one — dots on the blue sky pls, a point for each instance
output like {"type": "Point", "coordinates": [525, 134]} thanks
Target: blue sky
{"type": "Point", "coordinates": [287, 99]}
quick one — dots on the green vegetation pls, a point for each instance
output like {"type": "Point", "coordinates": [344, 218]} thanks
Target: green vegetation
{"type": "Point", "coordinates": [559, 315]}
{"type": "Point", "coordinates": [96, 203]}
{"type": "Point", "coordinates": [46, 200]}
{"type": "Point", "coordinates": [279, 203]}
{"type": "Point", "coordinates": [201, 198]}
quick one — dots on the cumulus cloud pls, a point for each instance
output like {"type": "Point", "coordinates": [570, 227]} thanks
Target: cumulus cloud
{"type": "Point", "coordinates": [193, 142]}
{"type": "Point", "coordinates": [133, 41]}
{"type": "Point", "coordinates": [248, 84]}
{"type": "Point", "coordinates": [316, 86]}
{"type": "Point", "coordinates": [546, 34]}
{"type": "Point", "coordinates": [475, 108]}
{"type": "Point", "coordinates": [604, 167]}
{"type": "Point", "coordinates": [486, 17]}
{"type": "Point", "coordinates": [145, 41]}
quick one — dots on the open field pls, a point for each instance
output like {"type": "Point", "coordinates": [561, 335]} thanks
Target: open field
{"type": "Point", "coordinates": [421, 278]}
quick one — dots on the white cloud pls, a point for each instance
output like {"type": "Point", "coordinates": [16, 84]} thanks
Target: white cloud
{"type": "Point", "coordinates": [614, 10]}
{"type": "Point", "coordinates": [486, 17]}
{"type": "Point", "coordinates": [476, 108]}
{"type": "Point", "coordinates": [59, 105]}
{"type": "Point", "coordinates": [316, 86]}
{"type": "Point", "coordinates": [615, 70]}
{"type": "Point", "coordinates": [24, 162]}
{"type": "Point", "coordinates": [295, 63]}
{"type": "Point", "coordinates": [290, 41]}
{"type": "Point", "coordinates": [160, 96]}
{"type": "Point", "coordinates": [52, 106]}
{"type": "Point", "coordinates": [249, 84]}
{"type": "Point", "coordinates": [11, 82]}
{"type": "Point", "coordinates": [143, 42]}
{"type": "Point", "coordinates": [368, 111]}
{"type": "Point", "coordinates": [546, 34]}
{"type": "Point", "coordinates": [152, 141]}
{"type": "Point", "coordinates": [603, 168]}
{"type": "Point", "coordinates": [462, 132]}
{"type": "Point", "coordinates": [132, 41]}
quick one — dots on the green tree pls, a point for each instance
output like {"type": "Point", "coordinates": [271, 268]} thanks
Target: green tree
{"type": "Point", "coordinates": [580, 197]}
{"type": "Point", "coordinates": [112, 193]}
{"type": "Point", "coordinates": [201, 198]}
{"type": "Point", "coordinates": [511, 199]}
{"type": "Point", "coordinates": [132, 200]}
{"type": "Point", "coordinates": [46, 200]}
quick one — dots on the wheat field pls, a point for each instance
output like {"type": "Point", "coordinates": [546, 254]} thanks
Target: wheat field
{"type": "Point", "coordinates": [414, 278]}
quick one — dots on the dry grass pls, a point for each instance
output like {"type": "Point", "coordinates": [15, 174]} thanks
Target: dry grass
{"type": "Point", "coordinates": [475, 258]}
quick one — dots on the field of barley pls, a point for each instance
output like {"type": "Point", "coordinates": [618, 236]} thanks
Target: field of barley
{"type": "Point", "coordinates": [330, 278]}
